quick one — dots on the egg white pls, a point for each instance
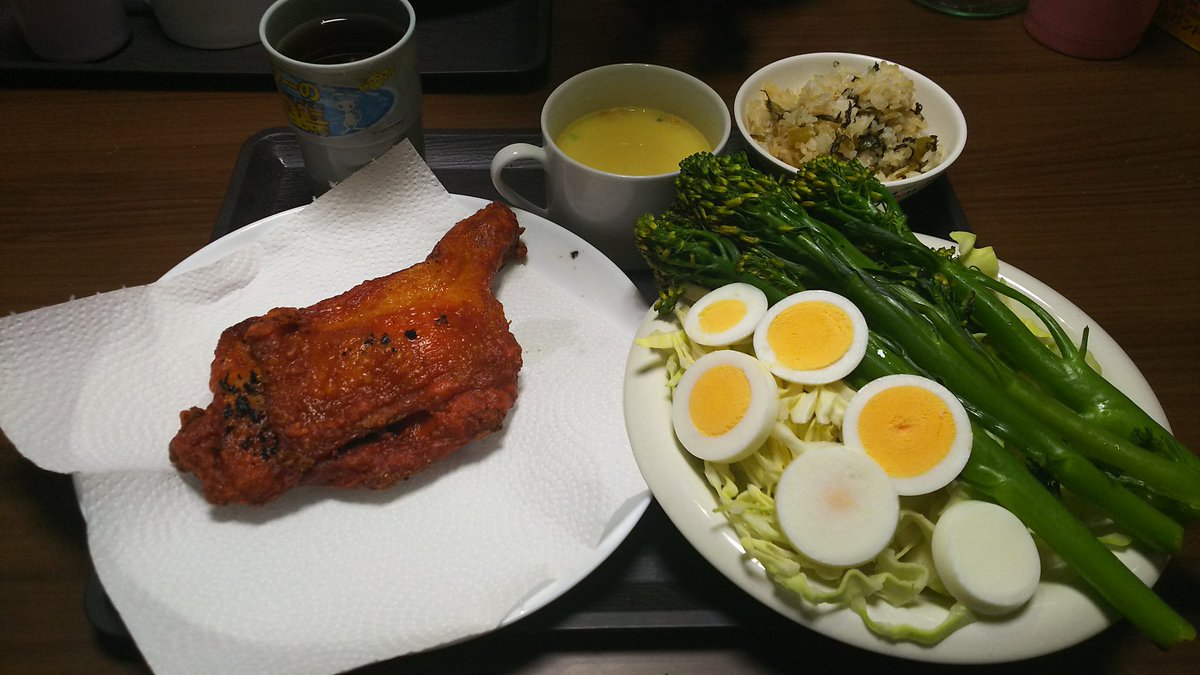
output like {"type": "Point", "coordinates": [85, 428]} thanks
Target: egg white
{"type": "Point", "coordinates": [754, 427]}
{"type": "Point", "coordinates": [940, 474]}
{"type": "Point", "coordinates": [836, 506]}
{"type": "Point", "coordinates": [752, 299]}
{"type": "Point", "coordinates": [985, 557]}
{"type": "Point", "coordinates": [841, 367]}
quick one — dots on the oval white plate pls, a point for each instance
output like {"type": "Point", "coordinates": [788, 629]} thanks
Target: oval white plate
{"type": "Point", "coordinates": [1060, 614]}
{"type": "Point", "coordinates": [590, 276]}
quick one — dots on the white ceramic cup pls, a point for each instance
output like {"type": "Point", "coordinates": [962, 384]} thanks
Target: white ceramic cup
{"type": "Point", "coordinates": [72, 31]}
{"type": "Point", "coordinates": [346, 113]}
{"type": "Point", "coordinates": [210, 24]}
{"type": "Point", "coordinates": [601, 207]}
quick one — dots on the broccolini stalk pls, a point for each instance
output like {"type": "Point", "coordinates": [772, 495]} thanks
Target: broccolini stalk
{"type": "Point", "coordinates": [991, 470]}
{"type": "Point", "coordinates": [847, 196]}
{"type": "Point", "coordinates": [929, 343]}
{"type": "Point", "coordinates": [999, 475]}
{"type": "Point", "coordinates": [726, 196]}
{"type": "Point", "coordinates": [688, 255]}
{"type": "Point", "coordinates": [1156, 473]}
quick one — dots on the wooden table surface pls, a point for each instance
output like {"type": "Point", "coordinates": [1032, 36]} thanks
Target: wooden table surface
{"type": "Point", "coordinates": [1082, 173]}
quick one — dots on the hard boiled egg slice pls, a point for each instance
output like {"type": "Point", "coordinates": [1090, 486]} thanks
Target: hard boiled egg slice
{"type": "Point", "coordinates": [986, 557]}
{"type": "Point", "coordinates": [724, 406]}
{"type": "Point", "coordinates": [836, 506]}
{"type": "Point", "coordinates": [812, 337]}
{"type": "Point", "coordinates": [915, 428]}
{"type": "Point", "coordinates": [725, 315]}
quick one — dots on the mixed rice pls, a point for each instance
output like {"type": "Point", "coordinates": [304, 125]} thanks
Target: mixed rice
{"type": "Point", "coordinates": [870, 115]}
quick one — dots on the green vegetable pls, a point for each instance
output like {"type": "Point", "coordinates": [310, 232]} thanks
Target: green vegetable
{"type": "Point", "coordinates": [731, 223]}
{"type": "Point", "coordinates": [780, 240]}
{"type": "Point", "coordinates": [999, 475]}
{"type": "Point", "coordinates": [847, 197]}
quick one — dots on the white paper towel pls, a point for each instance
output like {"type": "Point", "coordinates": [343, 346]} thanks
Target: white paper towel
{"type": "Point", "coordinates": [324, 580]}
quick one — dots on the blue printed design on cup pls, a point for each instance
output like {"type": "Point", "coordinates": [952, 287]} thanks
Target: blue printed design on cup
{"type": "Point", "coordinates": [325, 110]}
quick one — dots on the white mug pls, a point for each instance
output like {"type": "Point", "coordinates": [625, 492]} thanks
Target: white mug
{"type": "Point", "coordinates": [602, 207]}
{"type": "Point", "coordinates": [210, 24]}
{"type": "Point", "coordinates": [72, 31]}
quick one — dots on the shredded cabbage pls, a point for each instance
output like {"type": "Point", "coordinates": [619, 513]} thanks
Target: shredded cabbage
{"type": "Point", "coordinates": [983, 259]}
{"type": "Point", "coordinates": [902, 575]}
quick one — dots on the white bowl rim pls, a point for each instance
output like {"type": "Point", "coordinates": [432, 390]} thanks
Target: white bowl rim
{"type": "Point", "coordinates": [958, 121]}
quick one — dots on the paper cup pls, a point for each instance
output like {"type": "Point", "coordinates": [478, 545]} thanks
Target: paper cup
{"type": "Point", "coordinates": [348, 74]}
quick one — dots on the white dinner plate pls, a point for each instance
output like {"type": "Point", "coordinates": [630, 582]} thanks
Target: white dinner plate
{"type": "Point", "coordinates": [591, 278]}
{"type": "Point", "coordinates": [1061, 613]}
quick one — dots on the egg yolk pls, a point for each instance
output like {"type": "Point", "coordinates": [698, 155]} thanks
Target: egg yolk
{"type": "Point", "coordinates": [838, 499]}
{"type": "Point", "coordinates": [810, 335]}
{"type": "Point", "coordinates": [722, 315]}
{"type": "Point", "coordinates": [907, 430]}
{"type": "Point", "coordinates": [719, 400]}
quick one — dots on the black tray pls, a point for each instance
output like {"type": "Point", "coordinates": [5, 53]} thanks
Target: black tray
{"type": "Point", "coordinates": [464, 43]}
{"type": "Point", "coordinates": [654, 584]}
{"type": "Point", "coordinates": [269, 177]}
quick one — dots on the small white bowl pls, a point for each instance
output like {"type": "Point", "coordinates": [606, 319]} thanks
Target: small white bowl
{"type": "Point", "coordinates": [942, 114]}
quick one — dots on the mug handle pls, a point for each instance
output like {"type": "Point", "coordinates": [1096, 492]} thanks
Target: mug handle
{"type": "Point", "coordinates": [508, 155]}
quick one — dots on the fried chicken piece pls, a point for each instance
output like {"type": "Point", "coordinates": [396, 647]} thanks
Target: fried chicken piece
{"type": "Point", "coordinates": [366, 388]}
